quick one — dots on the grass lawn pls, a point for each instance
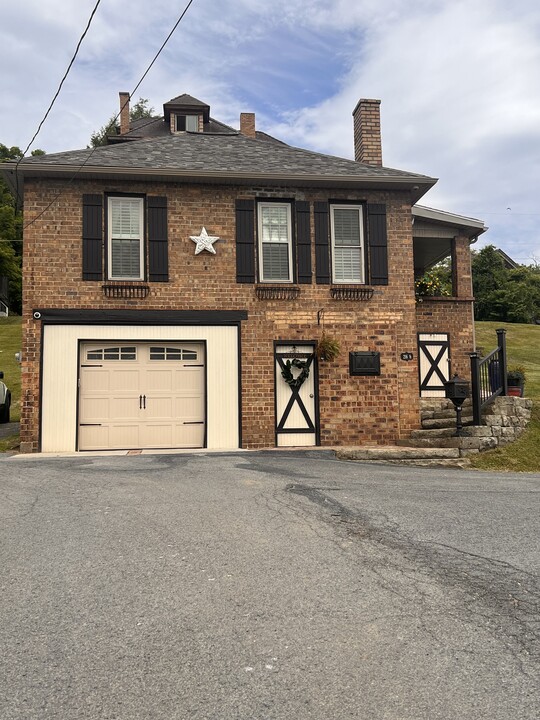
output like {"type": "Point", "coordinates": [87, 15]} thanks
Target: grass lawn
{"type": "Point", "coordinates": [10, 343]}
{"type": "Point", "coordinates": [523, 346]}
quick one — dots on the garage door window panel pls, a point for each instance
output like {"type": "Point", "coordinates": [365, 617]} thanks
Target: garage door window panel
{"type": "Point", "coordinates": [171, 353]}
{"type": "Point", "coordinates": [126, 238]}
{"type": "Point", "coordinates": [114, 353]}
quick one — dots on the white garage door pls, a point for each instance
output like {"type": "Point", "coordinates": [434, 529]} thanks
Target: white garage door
{"type": "Point", "coordinates": [141, 395]}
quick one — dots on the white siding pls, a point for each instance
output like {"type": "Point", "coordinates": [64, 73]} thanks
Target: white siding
{"type": "Point", "coordinates": [60, 371]}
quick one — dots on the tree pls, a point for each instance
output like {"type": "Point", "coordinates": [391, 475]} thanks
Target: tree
{"type": "Point", "coordinates": [11, 224]}
{"type": "Point", "coordinates": [435, 282]}
{"type": "Point", "coordinates": [510, 295]}
{"type": "Point", "coordinates": [138, 111]}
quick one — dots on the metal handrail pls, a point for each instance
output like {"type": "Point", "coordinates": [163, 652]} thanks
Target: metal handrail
{"type": "Point", "coordinates": [488, 377]}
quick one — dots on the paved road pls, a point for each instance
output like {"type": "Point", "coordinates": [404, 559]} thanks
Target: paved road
{"type": "Point", "coordinates": [7, 429]}
{"type": "Point", "coordinates": [266, 586]}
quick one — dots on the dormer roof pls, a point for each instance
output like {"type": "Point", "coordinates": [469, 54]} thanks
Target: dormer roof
{"type": "Point", "coordinates": [186, 104]}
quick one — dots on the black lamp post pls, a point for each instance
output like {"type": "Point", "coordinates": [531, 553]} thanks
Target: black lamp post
{"type": "Point", "coordinates": [457, 390]}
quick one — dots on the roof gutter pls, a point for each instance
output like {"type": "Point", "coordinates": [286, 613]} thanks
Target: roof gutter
{"type": "Point", "coordinates": [417, 186]}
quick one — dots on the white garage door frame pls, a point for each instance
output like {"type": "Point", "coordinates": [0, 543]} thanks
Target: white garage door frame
{"type": "Point", "coordinates": [60, 376]}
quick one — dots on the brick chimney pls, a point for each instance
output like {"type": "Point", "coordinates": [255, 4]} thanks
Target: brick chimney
{"type": "Point", "coordinates": [367, 132]}
{"type": "Point", "coordinates": [124, 113]}
{"type": "Point", "coordinates": [247, 124]}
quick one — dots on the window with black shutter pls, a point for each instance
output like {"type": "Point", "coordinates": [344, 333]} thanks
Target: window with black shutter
{"type": "Point", "coordinates": [378, 243]}
{"type": "Point", "coordinates": [158, 252]}
{"type": "Point", "coordinates": [303, 241]}
{"type": "Point", "coordinates": [92, 237]}
{"type": "Point", "coordinates": [322, 247]}
{"type": "Point", "coordinates": [245, 241]}
{"type": "Point", "coordinates": [129, 246]}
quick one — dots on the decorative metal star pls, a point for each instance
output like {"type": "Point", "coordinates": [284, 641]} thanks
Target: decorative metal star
{"type": "Point", "coordinates": [204, 241]}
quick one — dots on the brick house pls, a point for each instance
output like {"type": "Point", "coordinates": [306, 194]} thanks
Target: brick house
{"type": "Point", "coordinates": [177, 282]}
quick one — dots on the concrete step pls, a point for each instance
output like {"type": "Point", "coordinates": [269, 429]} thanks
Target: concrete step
{"type": "Point", "coordinates": [463, 443]}
{"type": "Point", "coordinates": [425, 462]}
{"type": "Point", "coordinates": [393, 452]}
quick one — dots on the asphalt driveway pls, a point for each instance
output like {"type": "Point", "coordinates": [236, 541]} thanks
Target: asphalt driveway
{"type": "Point", "coordinates": [266, 586]}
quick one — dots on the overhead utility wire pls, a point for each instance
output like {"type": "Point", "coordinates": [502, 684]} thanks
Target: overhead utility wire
{"type": "Point", "coordinates": [58, 90]}
{"type": "Point", "coordinates": [115, 117]}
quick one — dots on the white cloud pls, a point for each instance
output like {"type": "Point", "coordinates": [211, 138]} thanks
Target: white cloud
{"type": "Point", "coordinates": [457, 80]}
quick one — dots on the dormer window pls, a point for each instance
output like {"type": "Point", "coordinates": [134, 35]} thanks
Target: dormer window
{"type": "Point", "coordinates": [187, 122]}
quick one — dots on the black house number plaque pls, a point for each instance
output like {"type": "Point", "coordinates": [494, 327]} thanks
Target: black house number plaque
{"type": "Point", "coordinates": [406, 356]}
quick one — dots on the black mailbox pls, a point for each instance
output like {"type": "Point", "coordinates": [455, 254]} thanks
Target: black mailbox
{"type": "Point", "coordinates": [364, 363]}
{"type": "Point", "coordinates": [457, 390]}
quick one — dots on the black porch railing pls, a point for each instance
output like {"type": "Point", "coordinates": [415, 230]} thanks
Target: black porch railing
{"type": "Point", "coordinates": [488, 377]}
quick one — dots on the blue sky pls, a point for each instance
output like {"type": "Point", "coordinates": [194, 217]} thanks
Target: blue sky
{"type": "Point", "coordinates": [458, 80]}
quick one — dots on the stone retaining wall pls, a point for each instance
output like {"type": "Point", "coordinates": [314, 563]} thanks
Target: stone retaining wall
{"type": "Point", "coordinates": [504, 421]}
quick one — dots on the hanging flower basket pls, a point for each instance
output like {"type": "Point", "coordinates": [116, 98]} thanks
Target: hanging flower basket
{"type": "Point", "coordinates": [327, 348]}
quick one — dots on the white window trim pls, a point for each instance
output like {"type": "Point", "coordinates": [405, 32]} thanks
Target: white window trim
{"type": "Point", "coordinates": [260, 206]}
{"type": "Point", "coordinates": [185, 115]}
{"type": "Point", "coordinates": [110, 276]}
{"type": "Point", "coordinates": [358, 208]}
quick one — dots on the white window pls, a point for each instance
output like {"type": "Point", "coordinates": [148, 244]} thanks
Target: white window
{"type": "Point", "coordinates": [187, 122]}
{"type": "Point", "coordinates": [125, 238]}
{"type": "Point", "coordinates": [275, 242]}
{"type": "Point", "coordinates": [347, 244]}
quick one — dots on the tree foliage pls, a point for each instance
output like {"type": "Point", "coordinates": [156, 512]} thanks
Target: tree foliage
{"type": "Point", "coordinates": [509, 295]}
{"type": "Point", "coordinates": [139, 110]}
{"type": "Point", "coordinates": [11, 224]}
{"type": "Point", "coordinates": [435, 282]}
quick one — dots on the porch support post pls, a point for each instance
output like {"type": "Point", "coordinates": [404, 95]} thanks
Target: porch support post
{"type": "Point", "coordinates": [461, 267]}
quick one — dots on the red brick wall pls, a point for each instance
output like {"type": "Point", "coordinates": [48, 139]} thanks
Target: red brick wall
{"type": "Point", "coordinates": [353, 410]}
{"type": "Point", "coordinates": [453, 315]}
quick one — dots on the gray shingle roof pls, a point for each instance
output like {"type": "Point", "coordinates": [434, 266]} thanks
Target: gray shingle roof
{"type": "Point", "coordinates": [186, 99]}
{"type": "Point", "coordinates": [220, 153]}
{"type": "Point", "coordinates": [157, 127]}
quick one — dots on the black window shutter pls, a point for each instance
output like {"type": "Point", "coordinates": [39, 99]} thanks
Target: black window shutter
{"type": "Point", "coordinates": [322, 250]}
{"type": "Point", "coordinates": [92, 237]}
{"type": "Point", "coordinates": [245, 241]}
{"type": "Point", "coordinates": [378, 246]}
{"type": "Point", "coordinates": [158, 250]}
{"type": "Point", "coordinates": [303, 241]}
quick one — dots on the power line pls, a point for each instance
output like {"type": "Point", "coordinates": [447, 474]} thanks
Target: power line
{"type": "Point", "coordinates": [115, 117]}
{"type": "Point", "coordinates": [58, 90]}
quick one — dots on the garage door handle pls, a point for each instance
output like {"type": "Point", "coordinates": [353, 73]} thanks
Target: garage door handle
{"type": "Point", "coordinates": [197, 422]}
{"type": "Point", "coordinates": [144, 402]}
{"type": "Point", "coordinates": [140, 402]}
{"type": "Point", "coordinates": [89, 424]}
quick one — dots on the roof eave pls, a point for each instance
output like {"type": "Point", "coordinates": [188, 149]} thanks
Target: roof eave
{"type": "Point", "coordinates": [417, 186]}
{"type": "Point", "coordinates": [472, 227]}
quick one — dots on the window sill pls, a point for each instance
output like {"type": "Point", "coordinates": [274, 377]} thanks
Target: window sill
{"type": "Point", "coordinates": [275, 292]}
{"type": "Point", "coordinates": [126, 291]}
{"type": "Point", "coordinates": [443, 298]}
{"type": "Point", "coordinates": [351, 292]}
